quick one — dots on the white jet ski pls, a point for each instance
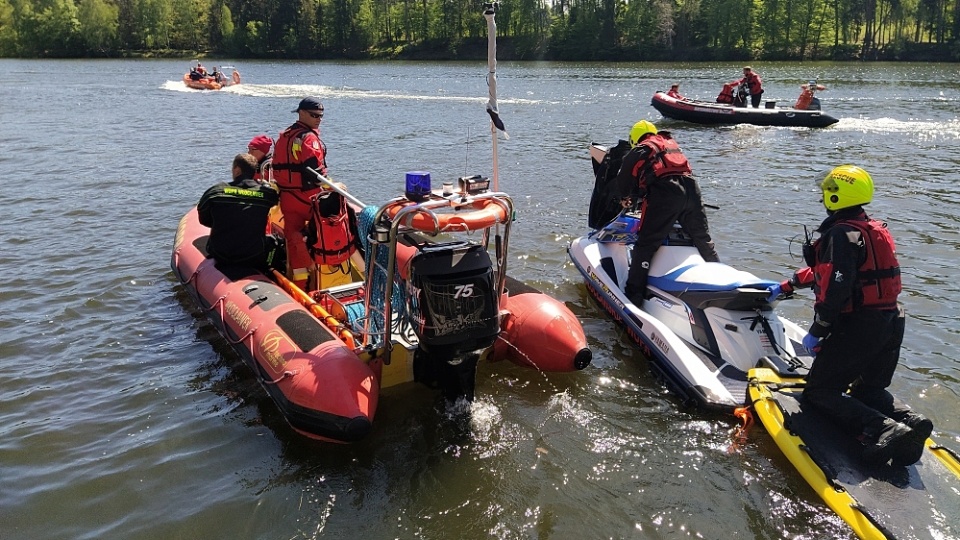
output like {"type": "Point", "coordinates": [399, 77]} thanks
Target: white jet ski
{"type": "Point", "coordinates": [703, 325]}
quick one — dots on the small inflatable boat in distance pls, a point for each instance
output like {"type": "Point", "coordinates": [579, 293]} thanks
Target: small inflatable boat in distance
{"type": "Point", "coordinates": [706, 112]}
{"type": "Point", "coordinates": [211, 82]}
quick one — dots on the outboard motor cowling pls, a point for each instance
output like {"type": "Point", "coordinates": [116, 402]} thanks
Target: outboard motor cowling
{"type": "Point", "coordinates": [454, 307]}
{"type": "Point", "coordinates": [452, 295]}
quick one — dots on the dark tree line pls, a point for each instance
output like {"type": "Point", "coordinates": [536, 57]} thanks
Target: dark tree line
{"type": "Point", "coordinates": [528, 29]}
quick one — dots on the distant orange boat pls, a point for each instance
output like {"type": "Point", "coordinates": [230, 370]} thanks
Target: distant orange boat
{"type": "Point", "coordinates": [211, 82]}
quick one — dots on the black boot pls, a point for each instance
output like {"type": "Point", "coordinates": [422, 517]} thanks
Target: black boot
{"type": "Point", "coordinates": [918, 423]}
{"type": "Point", "coordinates": [636, 288]}
{"type": "Point", "coordinates": [921, 428]}
{"type": "Point", "coordinates": [634, 296]}
{"type": "Point", "coordinates": [891, 440]}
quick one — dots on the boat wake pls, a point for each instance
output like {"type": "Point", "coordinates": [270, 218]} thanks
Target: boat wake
{"type": "Point", "coordinates": [297, 90]}
{"type": "Point", "coordinates": [930, 130]}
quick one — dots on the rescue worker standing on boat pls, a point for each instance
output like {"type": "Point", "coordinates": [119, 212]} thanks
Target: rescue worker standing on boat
{"type": "Point", "coordinates": [298, 148]}
{"type": "Point", "coordinates": [237, 216]}
{"type": "Point", "coordinates": [858, 324]}
{"type": "Point", "coordinates": [754, 85]}
{"type": "Point", "coordinates": [657, 168]}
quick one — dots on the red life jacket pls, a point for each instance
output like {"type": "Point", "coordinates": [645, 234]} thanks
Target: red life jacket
{"type": "Point", "coordinates": [666, 158]}
{"type": "Point", "coordinates": [330, 234]}
{"type": "Point", "coordinates": [726, 95]}
{"type": "Point", "coordinates": [878, 278]}
{"type": "Point", "coordinates": [806, 96]}
{"type": "Point", "coordinates": [753, 83]}
{"type": "Point", "coordinates": [288, 158]}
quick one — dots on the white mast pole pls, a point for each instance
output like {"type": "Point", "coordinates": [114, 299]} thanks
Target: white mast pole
{"type": "Point", "coordinates": [489, 12]}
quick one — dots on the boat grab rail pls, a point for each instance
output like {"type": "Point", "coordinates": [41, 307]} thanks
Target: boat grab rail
{"type": "Point", "coordinates": [398, 221]}
{"type": "Point", "coordinates": [331, 322]}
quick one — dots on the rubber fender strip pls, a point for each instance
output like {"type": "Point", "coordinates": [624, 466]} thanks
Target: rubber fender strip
{"type": "Point", "coordinates": [781, 386]}
{"type": "Point", "coordinates": [873, 521]}
{"type": "Point", "coordinates": [947, 450]}
{"type": "Point", "coordinates": [951, 460]}
{"type": "Point", "coordinates": [828, 473]}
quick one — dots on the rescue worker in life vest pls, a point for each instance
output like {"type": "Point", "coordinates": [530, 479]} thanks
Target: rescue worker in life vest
{"type": "Point", "coordinates": [298, 148]}
{"type": "Point", "coordinates": [858, 325]}
{"type": "Point", "coordinates": [753, 83]}
{"type": "Point", "coordinates": [237, 216]}
{"type": "Point", "coordinates": [658, 171]}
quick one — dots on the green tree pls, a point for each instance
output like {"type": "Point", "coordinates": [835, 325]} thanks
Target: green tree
{"type": "Point", "coordinates": [8, 31]}
{"type": "Point", "coordinates": [99, 23]}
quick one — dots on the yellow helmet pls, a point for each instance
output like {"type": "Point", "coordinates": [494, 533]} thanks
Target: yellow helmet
{"type": "Point", "coordinates": [640, 129]}
{"type": "Point", "coordinates": [846, 186]}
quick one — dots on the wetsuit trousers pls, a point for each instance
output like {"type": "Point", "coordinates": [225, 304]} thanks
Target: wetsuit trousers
{"type": "Point", "coordinates": [668, 200]}
{"type": "Point", "coordinates": [860, 355]}
{"type": "Point", "coordinates": [295, 206]}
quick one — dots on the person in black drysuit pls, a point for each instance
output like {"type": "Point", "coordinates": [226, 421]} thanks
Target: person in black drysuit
{"type": "Point", "coordinates": [658, 172]}
{"type": "Point", "coordinates": [858, 323]}
{"type": "Point", "coordinates": [237, 215]}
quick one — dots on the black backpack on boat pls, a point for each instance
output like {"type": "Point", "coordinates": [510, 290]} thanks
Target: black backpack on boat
{"type": "Point", "coordinates": [605, 201]}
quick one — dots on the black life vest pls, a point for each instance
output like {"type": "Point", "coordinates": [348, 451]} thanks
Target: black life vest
{"type": "Point", "coordinates": [666, 158]}
{"type": "Point", "coordinates": [330, 234]}
{"type": "Point", "coordinates": [878, 278]}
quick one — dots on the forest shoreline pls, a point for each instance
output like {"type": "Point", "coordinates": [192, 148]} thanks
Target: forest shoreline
{"type": "Point", "coordinates": [476, 49]}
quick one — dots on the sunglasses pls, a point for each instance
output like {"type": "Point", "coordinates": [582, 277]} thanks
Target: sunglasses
{"type": "Point", "coordinates": [315, 115]}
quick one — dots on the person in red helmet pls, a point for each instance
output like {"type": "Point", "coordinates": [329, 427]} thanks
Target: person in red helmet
{"type": "Point", "coordinates": [297, 149]}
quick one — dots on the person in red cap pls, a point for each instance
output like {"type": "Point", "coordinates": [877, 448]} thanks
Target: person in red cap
{"type": "Point", "coordinates": [259, 147]}
{"type": "Point", "coordinates": [299, 148]}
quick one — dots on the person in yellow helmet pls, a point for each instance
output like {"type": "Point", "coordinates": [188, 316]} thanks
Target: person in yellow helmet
{"type": "Point", "coordinates": [656, 170]}
{"type": "Point", "coordinates": [858, 324]}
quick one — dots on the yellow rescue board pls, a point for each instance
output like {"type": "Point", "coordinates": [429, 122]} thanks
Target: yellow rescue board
{"type": "Point", "coordinates": [848, 487]}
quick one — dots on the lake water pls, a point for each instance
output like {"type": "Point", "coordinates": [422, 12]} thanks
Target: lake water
{"type": "Point", "coordinates": [123, 414]}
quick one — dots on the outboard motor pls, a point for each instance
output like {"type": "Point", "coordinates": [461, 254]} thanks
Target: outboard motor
{"type": "Point", "coordinates": [454, 308]}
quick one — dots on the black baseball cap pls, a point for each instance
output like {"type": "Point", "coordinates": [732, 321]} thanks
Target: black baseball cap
{"type": "Point", "coordinates": [309, 104]}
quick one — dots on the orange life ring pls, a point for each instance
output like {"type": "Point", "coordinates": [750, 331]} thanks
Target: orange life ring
{"type": "Point", "coordinates": [484, 214]}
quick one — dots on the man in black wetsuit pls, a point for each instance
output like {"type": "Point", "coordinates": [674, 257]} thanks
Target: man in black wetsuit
{"type": "Point", "coordinates": [237, 216]}
{"type": "Point", "coordinates": [658, 170]}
